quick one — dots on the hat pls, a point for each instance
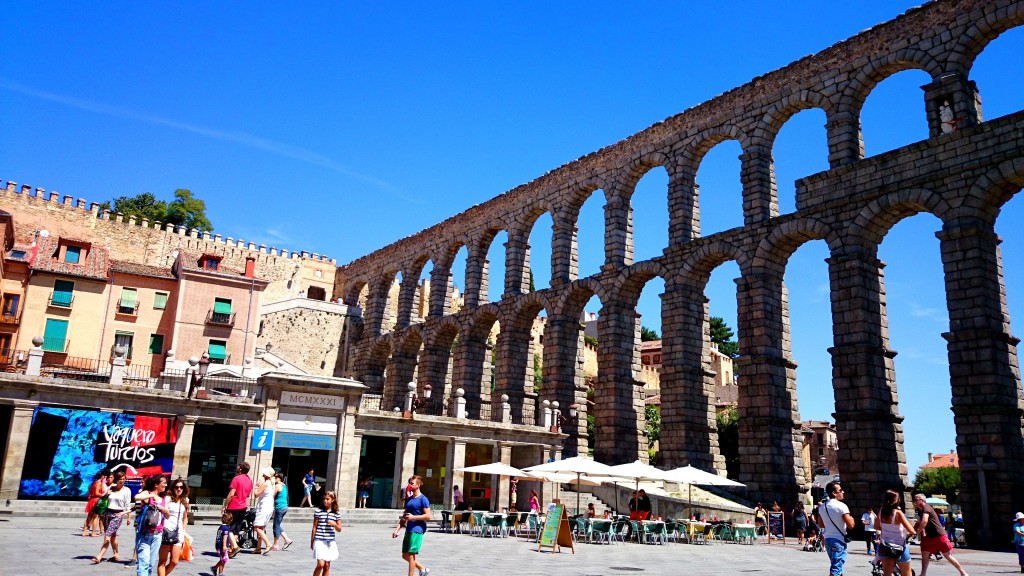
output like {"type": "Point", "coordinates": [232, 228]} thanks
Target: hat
{"type": "Point", "coordinates": [1018, 516]}
{"type": "Point", "coordinates": [268, 471]}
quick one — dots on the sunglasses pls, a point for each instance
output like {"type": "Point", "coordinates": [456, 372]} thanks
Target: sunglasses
{"type": "Point", "coordinates": [179, 487]}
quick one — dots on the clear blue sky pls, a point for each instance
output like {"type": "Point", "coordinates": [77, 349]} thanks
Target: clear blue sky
{"type": "Point", "coordinates": [342, 127]}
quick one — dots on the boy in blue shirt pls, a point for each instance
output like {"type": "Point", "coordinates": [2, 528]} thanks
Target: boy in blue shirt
{"type": "Point", "coordinates": [415, 517]}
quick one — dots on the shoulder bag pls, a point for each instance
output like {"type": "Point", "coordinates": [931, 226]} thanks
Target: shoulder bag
{"type": "Point", "coordinates": [890, 549]}
{"type": "Point", "coordinates": [846, 536]}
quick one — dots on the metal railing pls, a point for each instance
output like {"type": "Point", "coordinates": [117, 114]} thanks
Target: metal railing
{"type": "Point", "coordinates": [371, 403]}
{"type": "Point", "coordinates": [220, 318]}
{"type": "Point", "coordinates": [56, 345]}
{"type": "Point", "coordinates": [13, 361]}
{"type": "Point", "coordinates": [528, 416]}
{"type": "Point", "coordinates": [132, 310]}
{"type": "Point", "coordinates": [477, 409]}
{"type": "Point", "coordinates": [12, 319]}
{"type": "Point", "coordinates": [74, 368]}
{"type": "Point", "coordinates": [211, 386]}
{"type": "Point", "coordinates": [61, 299]}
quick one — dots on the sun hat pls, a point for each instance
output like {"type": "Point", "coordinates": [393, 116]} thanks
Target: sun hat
{"type": "Point", "coordinates": [268, 471]}
{"type": "Point", "coordinates": [1018, 516]}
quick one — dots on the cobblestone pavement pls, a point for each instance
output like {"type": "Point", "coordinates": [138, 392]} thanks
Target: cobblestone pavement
{"type": "Point", "coordinates": [44, 546]}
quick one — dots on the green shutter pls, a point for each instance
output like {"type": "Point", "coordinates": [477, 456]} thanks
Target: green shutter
{"type": "Point", "coordinates": [156, 344]}
{"type": "Point", "coordinates": [128, 297]}
{"type": "Point", "coordinates": [218, 350]}
{"type": "Point", "coordinates": [221, 306]}
{"type": "Point", "coordinates": [72, 254]}
{"type": "Point", "coordinates": [160, 301]}
{"type": "Point", "coordinates": [62, 291]}
{"type": "Point", "coordinates": [55, 335]}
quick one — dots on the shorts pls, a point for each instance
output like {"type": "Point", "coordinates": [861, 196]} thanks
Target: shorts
{"type": "Point", "coordinates": [903, 559]}
{"type": "Point", "coordinates": [364, 494]}
{"type": "Point", "coordinates": [326, 550]}
{"type": "Point", "coordinates": [935, 544]}
{"type": "Point", "coordinates": [412, 542]}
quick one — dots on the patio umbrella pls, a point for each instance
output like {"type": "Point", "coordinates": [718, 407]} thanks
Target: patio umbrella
{"type": "Point", "coordinates": [689, 475]}
{"type": "Point", "coordinates": [936, 502]}
{"type": "Point", "coordinates": [637, 472]}
{"type": "Point", "coordinates": [496, 469]}
{"type": "Point", "coordinates": [577, 465]}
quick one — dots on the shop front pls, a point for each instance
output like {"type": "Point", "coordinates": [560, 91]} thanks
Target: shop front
{"type": "Point", "coordinates": [304, 442]}
{"type": "Point", "coordinates": [377, 467]}
{"type": "Point", "coordinates": [212, 461]}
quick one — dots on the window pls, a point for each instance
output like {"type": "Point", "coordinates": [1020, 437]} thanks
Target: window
{"type": "Point", "coordinates": [72, 254]}
{"type": "Point", "coordinates": [63, 293]}
{"type": "Point", "coordinates": [218, 351]}
{"type": "Point", "coordinates": [17, 253]}
{"type": "Point", "coordinates": [156, 344]}
{"type": "Point", "coordinates": [55, 335]}
{"type": "Point", "coordinates": [5, 346]}
{"type": "Point", "coordinates": [821, 438]}
{"type": "Point", "coordinates": [160, 301]}
{"type": "Point", "coordinates": [657, 358]}
{"type": "Point", "coordinates": [821, 451]}
{"type": "Point", "coordinates": [125, 339]}
{"type": "Point", "coordinates": [10, 307]}
{"type": "Point", "coordinates": [128, 302]}
{"type": "Point", "coordinates": [209, 262]}
{"type": "Point", "coordinates": [221, 313]}
{"type": "Point", "coordinates": [316, 293]}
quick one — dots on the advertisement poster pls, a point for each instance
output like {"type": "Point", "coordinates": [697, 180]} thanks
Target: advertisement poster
{"type": "Point", "coordinates": [67, 447]}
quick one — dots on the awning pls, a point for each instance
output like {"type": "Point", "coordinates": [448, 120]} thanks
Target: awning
{"type": "Point", "coordinates": [221, 307]}
{"type": "Point", "coordinates": [218, 351]}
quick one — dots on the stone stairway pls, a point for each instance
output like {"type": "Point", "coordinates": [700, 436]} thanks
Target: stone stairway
{"type": "Point", "coordinates": [568, 497]}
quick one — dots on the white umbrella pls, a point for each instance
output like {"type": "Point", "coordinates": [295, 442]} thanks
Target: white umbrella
{"type": "Point", "coordinates": [496, 468]}
{"type": "Point", "coordinates": [577, 465]}
{"type": "Point", "coordinates": [638, 471]}
{"type": "Point", "coordinates": [689, 475]}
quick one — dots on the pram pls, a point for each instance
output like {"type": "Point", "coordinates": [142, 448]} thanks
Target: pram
{"type": "Point", "coordinates": [247, 530]}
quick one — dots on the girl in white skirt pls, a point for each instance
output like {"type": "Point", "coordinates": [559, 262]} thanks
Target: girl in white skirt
{"type": "Point", "coordinates": [326, 521]}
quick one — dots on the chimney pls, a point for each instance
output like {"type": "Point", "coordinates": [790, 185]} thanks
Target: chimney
{"type": "Point", "coordinates": [250, 267]}
{"type": "Point", "coordinates": [930, 457]}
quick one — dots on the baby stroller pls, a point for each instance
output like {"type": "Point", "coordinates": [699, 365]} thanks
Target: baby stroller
{"type": "Point", "coordinates": [813, 544]}
{"type": "Point", "coordinates": [247, 530]}
{"type": "Point", "coordinates": [876, 568]}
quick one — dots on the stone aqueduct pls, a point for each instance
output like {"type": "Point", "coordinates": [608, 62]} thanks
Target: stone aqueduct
{"type": "Point", "coordinates": [962, 177]}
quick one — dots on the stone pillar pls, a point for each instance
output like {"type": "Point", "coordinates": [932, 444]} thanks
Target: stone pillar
{"type": "Point", "coordinates": [183, 448]}
{"type": "Point", "coordinates": [868, 427]}
{"type": "Point", "coordinates": [476, 276]}
{"type": "Point", "coordinates": [472, 371]}
{"type": "Point", "coordinates": [440, 290]}
{"type": "Point", "coordinates": [563, 377]}
{"type": "Point", "coordinates": [964, 104]}
{"type": "Point", "coordinates": [618, 230]}
{"type": "Point", "coordinates": [35, 357]}
{"type": "Point", "coordinates": [405, 465]}
{"type": "Point", "coordinates": [455, 458]}
{"type": "Point", "coordinates": [517, 262]}
{"type": "Point", "coordinates": [564, 257]}
{"type": "Point", "coordinates": [434, 372]}
{"type": "Point", "coordinates": [683, 201]}
{"type": "Point", "coordinates": [618, 396]}
{"type": "Point", "coordinates": [401, 370]}
{"type": "Point", "coordinates": [844, 143]}
{"type": "Point", "coordinates": [376, 306]}
{"type": "Point", "coordinates": [117, 366]}
{"type": "Point", "coordinates": [515, 373]}
{"type": "Point", "coordinates": [345, 467]}
{"type": "Point", "coordinates": [14, 452]}
{"type": "Point", "coordinates": [985, 379]}
{"type": "Point", "coordinates": [757, 173]}
{"type": "Point", "coordinates": [689, 434]}
{"type": "Point", "coordinates": [502, 452]}
{"type": "Point", "coordinates": [407, 296]}
{"type": "Point", "coordinates": [770, 443]}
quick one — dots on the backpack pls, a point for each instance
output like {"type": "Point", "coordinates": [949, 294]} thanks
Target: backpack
{"type": "Point", "coordinates": [151, 520]}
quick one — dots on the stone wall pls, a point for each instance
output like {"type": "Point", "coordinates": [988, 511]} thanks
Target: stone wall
{"type": "Point", "coordinates": [310, 334]}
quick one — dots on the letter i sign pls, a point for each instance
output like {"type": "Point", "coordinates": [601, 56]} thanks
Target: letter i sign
{"type": "Point", "coordinates": [262, 439]}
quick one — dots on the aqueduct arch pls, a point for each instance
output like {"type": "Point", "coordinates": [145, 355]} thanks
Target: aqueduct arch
{"type": "Point", "coordinates": [963, 176]}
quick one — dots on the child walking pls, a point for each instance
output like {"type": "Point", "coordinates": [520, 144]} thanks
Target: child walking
{"type": "Point", "coordinates": [326, 522]}
{"type": "Point", "coordinates": [223, 543]}
{"type": "Point", "coordinates": [414, 519]}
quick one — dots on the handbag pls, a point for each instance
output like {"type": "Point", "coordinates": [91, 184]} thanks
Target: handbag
{"type": "Point", "coordinates": [169, 536]}
{"type": "Point", "coordinates": [187, 553]}
{"type": "Point", "coordinates": [101, 505]}
{"type": "Point", "coordinates": [889, 550]}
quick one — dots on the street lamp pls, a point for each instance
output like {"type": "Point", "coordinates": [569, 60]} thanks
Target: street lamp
{"type": "Point", "coordinates": [197, 372]}
{"type": "Point", "coordinates": [413, 401]}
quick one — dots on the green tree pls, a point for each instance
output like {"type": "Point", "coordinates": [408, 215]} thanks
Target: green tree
{"type": "Point", "coordinates": [648, 335]}
{"type": "Point", "coordinates": [652, 416]}
{"type": "Point", "coordinates": [187, 211]}
{"type": "Point", "coordinates": [722, 335]}
{"type": "Point", "coordinates": [184, 210]}
{"type": "Point", "coordinates": [945, 481]}
{"type": "Point", "coordinates": [729, 440]}
{"type": "Point", "coordinates": [592, 340]}
{"type": "Point", "coordinates": [538, 373]}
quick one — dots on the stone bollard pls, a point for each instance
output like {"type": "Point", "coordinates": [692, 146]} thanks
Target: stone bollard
{"type": "Point", "coordinates": [506, 410]}
{"type": "Point", "coordinates": [460, 404]}
{"type": "Point", "coordinates": [547, 413]}
{"type": "Point", "coordinates": [35, 357]}
{"type": "Point", "coordinates": [117, 365]}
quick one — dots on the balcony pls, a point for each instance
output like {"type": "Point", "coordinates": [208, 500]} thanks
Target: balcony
{"type": "Point", "coordinates": [56, 345]}
{"type": "Point", "coordinates": [10, 319]}
{"type": "Point", "coordinates": [61, 299]}
{"type": "Point", "coordinates": [220, 318]}
{"type": "Point", "coordinates": [126, 309]}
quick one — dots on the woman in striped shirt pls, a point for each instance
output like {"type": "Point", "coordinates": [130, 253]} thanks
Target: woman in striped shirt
{"type": "Point", "coordinates": [326, 521]}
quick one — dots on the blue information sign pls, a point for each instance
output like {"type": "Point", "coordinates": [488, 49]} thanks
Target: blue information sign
{"type": "Point", "coordinates": [306, 441]}
{"type": "Point", "coordinates": [262, 439]}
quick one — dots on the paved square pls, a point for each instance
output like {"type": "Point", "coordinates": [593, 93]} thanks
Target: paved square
{"type": "Point", "coordinates": [45, 546]}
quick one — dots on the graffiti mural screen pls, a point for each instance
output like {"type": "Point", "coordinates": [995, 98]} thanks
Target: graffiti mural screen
{"type": "Point", "coordinates": [67, 447]}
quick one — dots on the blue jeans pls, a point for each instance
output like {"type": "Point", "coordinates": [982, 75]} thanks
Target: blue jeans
{"type": "Point", "coordinates": [836, 550]}
{"type": "Point", "coordinates": [147, 546]}
{"type": "Point", "coordinates": [278, 518]}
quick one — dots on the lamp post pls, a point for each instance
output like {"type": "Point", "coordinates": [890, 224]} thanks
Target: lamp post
{"type": "Point", "coordinates": [197, 372]}
{"type": "Point", "coordinates": [414, 402]}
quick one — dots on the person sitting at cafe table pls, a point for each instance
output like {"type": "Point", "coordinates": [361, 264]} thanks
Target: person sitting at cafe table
{"type": "Point", "coordinates": [643, 505]}
{"type": "Point", "coordinates": [591, 511]}
{"type": "Point", "coordinates": [632, 507]}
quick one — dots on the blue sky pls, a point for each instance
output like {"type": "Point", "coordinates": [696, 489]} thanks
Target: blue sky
{"type": "Point", "coordinates": [339, 128]}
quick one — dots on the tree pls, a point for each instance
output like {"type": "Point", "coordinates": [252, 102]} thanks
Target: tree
{"type": "Point", "coordinates": [648, 335]}
{"type": "Point", "coordinates": [184, 210]}
{"type": "Point", "coordinates": [652, 414]}
{"type": "Point", "coordinates": [729, 440]}
{"type": "Point", "coordinates": [722, 335]}
{"type": "Point", "coordinates": [945, 481]}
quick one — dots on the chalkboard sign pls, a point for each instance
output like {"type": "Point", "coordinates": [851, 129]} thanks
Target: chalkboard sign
{"type": "Point", "coordinates": [556, 532]}
{"type": "Point", "coordinates": [777, 526]}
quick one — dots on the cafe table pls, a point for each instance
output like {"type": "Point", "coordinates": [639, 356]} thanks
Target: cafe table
{"type": "Point", "coordinates": [648, 525]}
{"type": "Point", "coordinates": [693, 529]}
{"type": "Point", "coordinates": [744, 533]}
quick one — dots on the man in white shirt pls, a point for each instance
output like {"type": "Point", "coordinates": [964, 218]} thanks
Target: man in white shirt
{"type": "Point", "coordinates": [834, 519]}
{"type": "Point", "coordinates": [867, 519]}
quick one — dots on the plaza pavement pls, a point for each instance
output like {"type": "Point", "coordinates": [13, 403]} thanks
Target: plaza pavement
{"type": "Point", "coordinates": [52, 546]}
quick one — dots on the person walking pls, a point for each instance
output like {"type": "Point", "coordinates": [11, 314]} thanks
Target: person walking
{"type": "Point", "coordinates": [264, 510]}
{"type": "Point", "coordinates": [119, 502]}
{"type": "Point", "coordinates": [868, 519]}
{"type": "Point", "coordinates": [223, 543]}
{"type": "Point", "coordinates": [280, 509]}
{"type": "Point", "coordinates": [415, 518]}
{"type": "Point", "coordinates": [174, 527]}
{"type": "Point", "coordinates": [534, 502]}
{"type": "Point", "coordinates": [364, 492]}
{"type": "Point", "coordinates": [96, 489]}
{"type": "Point", "coordinates": [893, 528]}
{"type": "Point", "coordinates": [1018, 538]}
{"type": "Point", "coordinates": [834, 520]}
{"type": "Point", "coordinates": [307, 489]}
{"type": "Point", "coordinates": [934, 539]}
{"type": "Point", "coordinates": [458, 502]}
{"type": "Point", "coordinates": [237, 502]}
{"type": "Point", "coordinates": [148, 535]}
{"type": "Point", "coordinates": [799, 522]}
{"type": "Point", "coordinates": [326, 522]}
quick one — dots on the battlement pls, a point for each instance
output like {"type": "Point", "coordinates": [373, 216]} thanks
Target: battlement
{"type": "Point", "coordinates": [53, 200]}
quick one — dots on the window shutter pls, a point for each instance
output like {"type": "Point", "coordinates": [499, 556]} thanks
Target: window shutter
{"type": "Point", "coordinates": [128, 297]}
{"type": "Point", "coordinates": [160, 301]}
{"type": "Point", "coordinates": [222, 306]}
{"type": "Point", "coordinates": [218, 350]}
